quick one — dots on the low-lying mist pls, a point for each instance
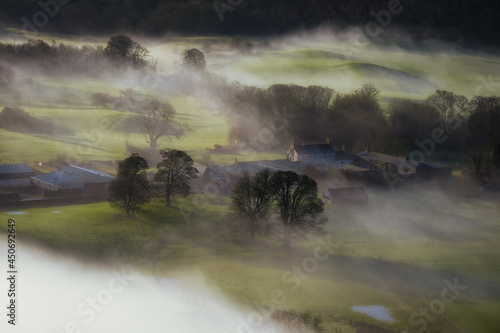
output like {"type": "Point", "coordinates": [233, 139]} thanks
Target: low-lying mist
{"type": "Point", "coordinates": [344, 60]}
{"type": "Point", "coordinates": [56, 294]}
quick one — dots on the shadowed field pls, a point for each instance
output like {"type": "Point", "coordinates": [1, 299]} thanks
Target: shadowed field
{"type": "Point", "coordinates": [378, 256]}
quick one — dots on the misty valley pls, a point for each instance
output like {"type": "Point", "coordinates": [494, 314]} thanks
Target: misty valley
{"type": "Point", "coordinates": [313, 181]}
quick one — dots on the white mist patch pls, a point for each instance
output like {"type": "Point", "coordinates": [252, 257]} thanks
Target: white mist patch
{"type": "Point", "coordinates": [57, 295]}
{"type": "Point", "coordinates": [375, 311]}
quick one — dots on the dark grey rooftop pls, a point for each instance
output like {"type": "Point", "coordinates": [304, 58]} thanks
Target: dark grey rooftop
{"type": "Point", "coordinates": [341, 155]}
{"type": "Point", "coordinates": [236, 169]}
{"type": "Point", "coordinates": [15, 168]}
{"type": "Point", "coordinates": [322, 148]}
{"type": "Point", "coordinates": [368, 155]}
{"type": "Point", "coordinates": [74, 177]}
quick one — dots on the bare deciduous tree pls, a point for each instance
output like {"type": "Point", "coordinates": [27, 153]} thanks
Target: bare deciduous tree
{"type": "Point", "coordinates": [131, 187]}
{"type": "Point", "coordinates": [193, 59]}
{"type": "Point", "coordinates": [158, 121]}
{"type": "Point", "coordinates": [449, 105]}
{"type": "Point", "coordinates": [368, 92]}
{"type": "Point", "coordinates": [123, 51]}
{"type": "Point", "coordinates": [297, 203]}
{"type": "Point", "coordinates": [174, 173]}
{"type": "Point", "coordinates": [252, 199]}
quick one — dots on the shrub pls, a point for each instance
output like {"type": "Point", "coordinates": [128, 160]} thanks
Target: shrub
{"type": "Point", "coordinates": [298, 321]}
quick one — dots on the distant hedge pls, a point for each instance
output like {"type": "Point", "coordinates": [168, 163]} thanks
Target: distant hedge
{"type": "Point", "coordinates": [18, 120]}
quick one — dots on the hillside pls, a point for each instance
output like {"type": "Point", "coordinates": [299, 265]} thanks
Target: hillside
{"type": "Point", "coordinates": [314, 59]}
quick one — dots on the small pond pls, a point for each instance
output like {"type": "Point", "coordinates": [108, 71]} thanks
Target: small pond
{"type": "Point", "coordinates": [378, 312]}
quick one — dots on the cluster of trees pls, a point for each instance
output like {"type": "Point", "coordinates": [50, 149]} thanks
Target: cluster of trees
{"type": "Point", "coordinates": [304, 114]}
{"type": "Point", "coordinates": [280, 107]}
{"type": "Point", "coordinates": [356, 120]}
{"type": "Point", "coordinates": [446, 19]}
{"type": "Point", "coordinates": [291, 197]}
{"type": "Point", "coordinates": [484, 139]}
{"type": "Point", "coordinates": [471, 125]}
{"type": "Point", "coordinates": [119, 54]}
{"type": "Point", "coordinates": [132, 188]}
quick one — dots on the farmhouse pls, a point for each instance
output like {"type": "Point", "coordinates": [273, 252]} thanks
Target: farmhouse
{"type": "Point", "coordinates": [311, 154]}
{"type": "Point", "coordinates": [15, 175]}
{"type": "Point", "coordinates": [75, 180]}
{"type": "Point", "coordinates": [345, 195]}
{"type": "Point", "coordinates": [381, 162]}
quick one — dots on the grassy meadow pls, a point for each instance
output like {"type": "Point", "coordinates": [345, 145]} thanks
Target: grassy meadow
{"type": "Point", "coordinates": [399, 70]}
{"type": "Point", "coordinates": [391, 253]}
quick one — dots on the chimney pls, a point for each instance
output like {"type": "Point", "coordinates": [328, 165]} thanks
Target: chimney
{"type": "Point", "coordinates": [327, 141]}
{"type": "Point", "coordinates": [292, 145]}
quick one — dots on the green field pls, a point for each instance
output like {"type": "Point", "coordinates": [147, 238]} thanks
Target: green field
{"type": "Point", "coordinates": [398, 70]}
{"type": "Point", "coordinates": [390, 253]}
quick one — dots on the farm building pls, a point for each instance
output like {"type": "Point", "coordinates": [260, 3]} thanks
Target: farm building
{"type": "Point", "coordinates": [312, 154]}
{"type": "Point", "coordinates": [342, 158]}
{"type": "Point", "coordinates": [381, 162]}
{"type": "Point", "coordinates": [345, 195]}
{"type": "Point", "coordinates": [15, 175]}
{"type": "Point", "coordinates": [74, 179]}
{"type": "Point", "coordinates": [429, 171]}
{"type": "Point", "coordinates": [231, 173]}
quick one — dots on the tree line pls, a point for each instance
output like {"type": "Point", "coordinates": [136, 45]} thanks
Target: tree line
{"type": "Point", "coordinates": [120, 54]}
{"type": "Point", "coordinates": [356, 120]}
{"type": "Point", "coordinates": [469, 21]}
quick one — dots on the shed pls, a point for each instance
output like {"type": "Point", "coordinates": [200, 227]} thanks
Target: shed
{"type": "Point", "coordinates": [231, 173]}
{"type": "Point", "coordinates": [382, 162]}
{"type": "Point", "coordinates": [15, 175]}
{"type": "Point", "coordinates": [72, 178]}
